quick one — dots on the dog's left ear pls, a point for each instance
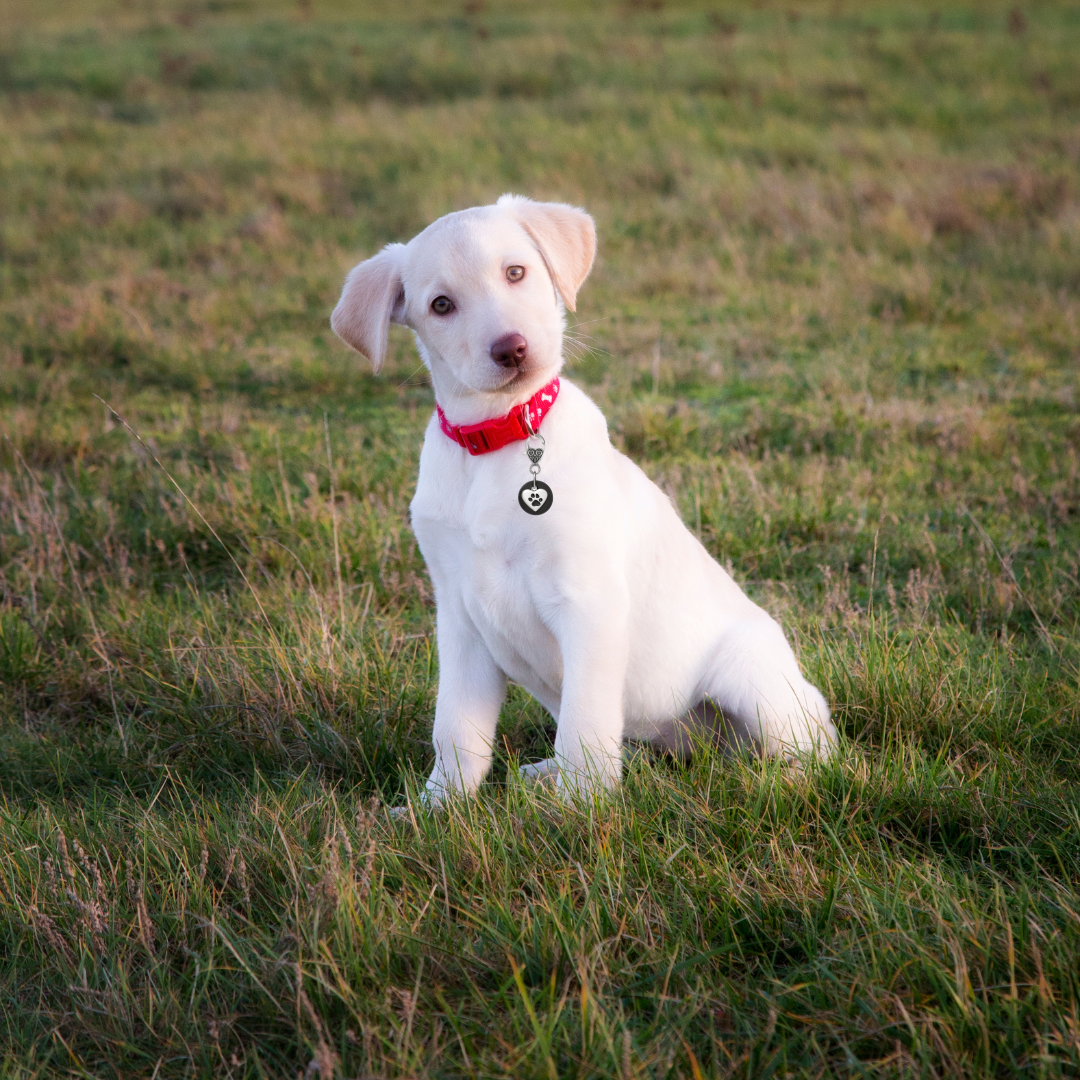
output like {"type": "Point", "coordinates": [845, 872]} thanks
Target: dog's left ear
{"type": "Point", "coordinates": [566, 237]}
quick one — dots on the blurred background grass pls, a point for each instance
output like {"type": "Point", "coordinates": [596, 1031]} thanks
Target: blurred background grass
{"type": "Point", "coordinates": [834, 315]}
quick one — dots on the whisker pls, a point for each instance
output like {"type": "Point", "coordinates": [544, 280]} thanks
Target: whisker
{"type": "Point", "coordinates": [401, 384]}
{"type": "Point", "coordinates": [580, 348]}
{"type": "Point", "coordinates": [584, 340]}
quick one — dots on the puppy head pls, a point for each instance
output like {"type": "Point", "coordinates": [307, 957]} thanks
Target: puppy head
{"type": "Point", "coordinates": [484, 290]}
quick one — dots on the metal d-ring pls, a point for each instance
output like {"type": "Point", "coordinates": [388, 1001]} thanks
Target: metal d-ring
{"type": "Point", "coordinates": [528, 425]}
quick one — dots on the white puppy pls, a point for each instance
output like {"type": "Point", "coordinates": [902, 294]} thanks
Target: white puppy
{"type": "Point", "coordinates": [580, 583]}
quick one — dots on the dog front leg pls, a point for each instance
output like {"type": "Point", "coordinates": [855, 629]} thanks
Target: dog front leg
{"type": "Point", "coordinates": [588, 741]}
{"type": "Point", "coordinates": [471, 693]}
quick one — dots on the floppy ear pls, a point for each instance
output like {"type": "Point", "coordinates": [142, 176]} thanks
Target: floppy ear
{"type": "Point", "coordinates": [371, 299]}
{"type": "Point", "coordinates": [566, 237]}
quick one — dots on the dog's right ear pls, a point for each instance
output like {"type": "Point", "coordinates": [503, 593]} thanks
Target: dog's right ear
{"type": "Point", "coordinates": [373, 297]}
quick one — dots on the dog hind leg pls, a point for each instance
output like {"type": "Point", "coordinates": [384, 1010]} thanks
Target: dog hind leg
{"type": "Point", "coordinates": [761, 694]}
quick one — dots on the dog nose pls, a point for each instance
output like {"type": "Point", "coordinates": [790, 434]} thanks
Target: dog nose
{"type": "Point", "coordinates": [510, 350]}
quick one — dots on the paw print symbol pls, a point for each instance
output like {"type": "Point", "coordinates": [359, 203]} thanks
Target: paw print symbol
{"type": "Point", "coordinates": [535, 497]}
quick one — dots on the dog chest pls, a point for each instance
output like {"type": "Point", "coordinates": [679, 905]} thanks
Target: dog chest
{"type": "Point", "coordinates": [495, 579]}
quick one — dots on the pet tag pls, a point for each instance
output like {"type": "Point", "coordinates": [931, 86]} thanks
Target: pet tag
{"type": "Point", "coordinates": [535, 496]}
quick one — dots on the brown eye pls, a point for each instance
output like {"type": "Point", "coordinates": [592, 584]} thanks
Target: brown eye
{"type": "Point", "coordinates": [515, 273]}
{"type": "Point", "coordinates": [442, 305]}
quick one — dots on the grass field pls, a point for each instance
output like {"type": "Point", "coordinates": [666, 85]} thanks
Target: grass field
{"type": "Point", "coordinates": [836, 314]}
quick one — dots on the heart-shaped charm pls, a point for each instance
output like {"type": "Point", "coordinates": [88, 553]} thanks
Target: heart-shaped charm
{"type": "Point", "coordinates": [535, 497]}
{"type": "Point", "coordinates": [535, 453]}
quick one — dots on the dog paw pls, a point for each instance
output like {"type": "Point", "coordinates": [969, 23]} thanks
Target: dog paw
{"type": "Point", "coordinates": [541, 772]}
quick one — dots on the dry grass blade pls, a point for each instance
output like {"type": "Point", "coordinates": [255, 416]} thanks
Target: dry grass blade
{"type": "Point", "coordinates": [334, 522]}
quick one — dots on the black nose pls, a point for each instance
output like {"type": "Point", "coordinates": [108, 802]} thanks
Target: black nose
{"type": "Point", "coordinates": [510, 350]}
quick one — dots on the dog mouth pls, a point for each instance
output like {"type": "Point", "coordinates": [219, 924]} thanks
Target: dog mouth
{"type": "Point", "coordinates": [512, 378]}
{"type": "Point", "coordinates": [519, 375]}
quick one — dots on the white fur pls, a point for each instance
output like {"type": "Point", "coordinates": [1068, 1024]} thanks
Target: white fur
{"type": "Point", "coordinates": [606, 609]}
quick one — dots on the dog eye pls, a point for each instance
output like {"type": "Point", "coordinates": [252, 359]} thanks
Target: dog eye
{"type": "Point", "coordinates": [442, 305]}
{"type": "Point", "coordinates": [515, 273]}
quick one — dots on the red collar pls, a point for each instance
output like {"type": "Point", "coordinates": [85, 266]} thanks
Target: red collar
{"type": "Point", "coordinates": [491, 435]}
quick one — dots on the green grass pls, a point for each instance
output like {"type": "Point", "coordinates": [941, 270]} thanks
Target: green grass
{"type": "Point", "coordinates": [836, 314]}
